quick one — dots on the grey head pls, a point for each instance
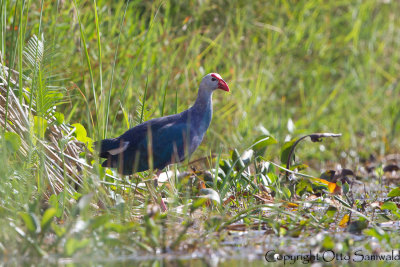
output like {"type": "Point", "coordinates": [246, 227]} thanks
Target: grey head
{"type": "Point", "coordinates": [213, 81]}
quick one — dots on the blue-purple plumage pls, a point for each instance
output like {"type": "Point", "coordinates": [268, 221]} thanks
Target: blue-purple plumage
{"type": "Point", "coordinates": [164, 140]}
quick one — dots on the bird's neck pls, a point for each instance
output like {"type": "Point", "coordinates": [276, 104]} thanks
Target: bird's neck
{"type": "Point", "coordinates": [203, 101]}
{"type": "Point", "coordinates": [202, 109]}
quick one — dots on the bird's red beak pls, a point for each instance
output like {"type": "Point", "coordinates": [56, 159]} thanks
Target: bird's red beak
{"type": "Point", "coordinates": [223, 85]}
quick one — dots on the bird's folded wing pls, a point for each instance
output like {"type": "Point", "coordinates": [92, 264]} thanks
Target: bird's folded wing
{"type": "Point", "coordinates": [112, 147]}
{"type": "Point", "coordinates": [123, 146]}
{"type": "Point", "coordinates": [169, 143]}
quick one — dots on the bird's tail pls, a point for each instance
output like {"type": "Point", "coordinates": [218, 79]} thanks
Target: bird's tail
{"type": "Point", "coordinates": [107, 145]}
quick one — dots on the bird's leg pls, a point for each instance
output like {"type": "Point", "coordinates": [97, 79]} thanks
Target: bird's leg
{"type": "Point", "coordinates": [151, 185]}
{"type": "Point", "coordinates": [162, 203]}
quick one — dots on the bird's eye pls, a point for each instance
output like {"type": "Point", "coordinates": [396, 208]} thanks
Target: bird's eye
{"type": "Point", "coordinates": [213, 79]}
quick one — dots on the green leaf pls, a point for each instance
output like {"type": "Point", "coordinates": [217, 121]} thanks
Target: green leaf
{"type": "Point", "coordinates": [389, 206]}
{"type": "Point", "coordinates": [80, 132]}
{"type": "Point", "coordinates": [13, 141]}
{"type": "Point", "coordinates": [262, 142]}
{"type": "Point", "coordinates": [60, 231]}
{"type": "Point", "coordinates": [394, 192]}
{"type": "Point", "coordinates": [236, 158]}
{"type": "Point", "coordinates": [286, 192]}
{"type": "Point", "coordinates": [31, 222]}
{"type": "Point", "coordinates": [59, 117]}
{"type": "Point", "coordinates": [299, 167]}
{"type": "Point", "coordinates": [81, 136]}
{"type": "Point", "coordinates": [356, 227]}
{"type": "Point", "coordinates": [210, 194]}
{"type": "Point", "coordinates": [303, 186]}
{"type": "Point", "coordinates": [346, 188]}
{"type": "Point", "coordinates": [198, 203]}
{"type": "Point", "coordinates": [76, 196]}
{"type": "Point", "coordinates": [331, 211]}
{"type": "Point", "coordinates": [54, 201]}
{"type": "Point", "coordinates": [47, 218]}
{"type": "Point", "coordinates": [285, 150]}
{"type": "Point", "coordinates": [72, 245]}
{"type": "Point", "coordinates": [272, 177]}
{"type": "Point", "coordinates": [99, 221]}
{"type": "Point", "coordinates": [40, 126]}
{"type": "Point", "coordinates": [328, 242]}
{"type": "Point", "coordinates": [119, 228]}
{"type": "Point", "coordinates": [225, 165]}
{"type": "Point", "coordinates": [377, 233]}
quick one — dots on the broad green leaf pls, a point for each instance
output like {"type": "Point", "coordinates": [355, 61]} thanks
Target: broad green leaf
{"type": "Point", "coordinates": [346, 188]}
{"type": "Point", "coordinates": [59, 230]}
{"type": "Point", "coordinates": [13, 141]}
{"type": "Point", "coordinates": [98, 221]}
{"type": "Point", "coordinates": [272, 177]}
{"type": "Point", "coordinates": [59, 117]}
{"type": "Point", "coordinates": [331, 211]}
{"type": "Point", "coordinates": [225, 166]}
{"type": "Point", "coordinates": [198, 203]}
{"type": "Point", "coordinates": [389, 206]}
{"type": "Point", "coordinates": [328, 242]}
{"type": "Point", "coordinates": [76, 195]}
{"type": "Point", "coordinates": [54, 201]}
{"type": "Point", "coordinates": [31, 222]}
{"type": "Point", "coordinates": [119, 228]}
{"type": "Point", "coordinates": [262, 142]}
{"type": "Point", "coordinates": [72, 245]}
{"type": "Point", "coordinates": [81, 136]}
{"type": "Point", "coordinates": [47, 217]}
{"type": "Point", "coordinates": [358, 226]}
{"type": "Point", "coordinates": [394, 192]}
{"type": "Point", "coordinates": [236, 158]}
{"type": "Point", "coordinates": [89, 144]}
{"type": "Point", "coordinates": [303, 186]}
{"type": "Point", "coordinates": [80, 132]}
{"type": "Point", "coordinates": [375, 232]}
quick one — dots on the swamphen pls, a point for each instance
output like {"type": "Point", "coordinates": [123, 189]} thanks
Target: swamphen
{"type": "Point", "coordinates": [166, 140]}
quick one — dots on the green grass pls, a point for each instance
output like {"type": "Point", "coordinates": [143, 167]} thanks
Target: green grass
{"type": "Point", "coordinates": [327, 66]}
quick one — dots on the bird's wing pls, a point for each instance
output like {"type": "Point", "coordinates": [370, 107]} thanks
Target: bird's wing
{"type": "Point", "coordinates": [168, 144]}
{"type": "Point", "coordinates": [112, 147]}
{"type": "Point", "coordinates": [123, 146]}
{"type": "Point", "coordinates": [139, 133]}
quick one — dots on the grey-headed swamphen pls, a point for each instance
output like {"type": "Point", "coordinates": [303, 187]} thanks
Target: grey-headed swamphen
{"type": "Point", "coordinates": [166, 140]}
